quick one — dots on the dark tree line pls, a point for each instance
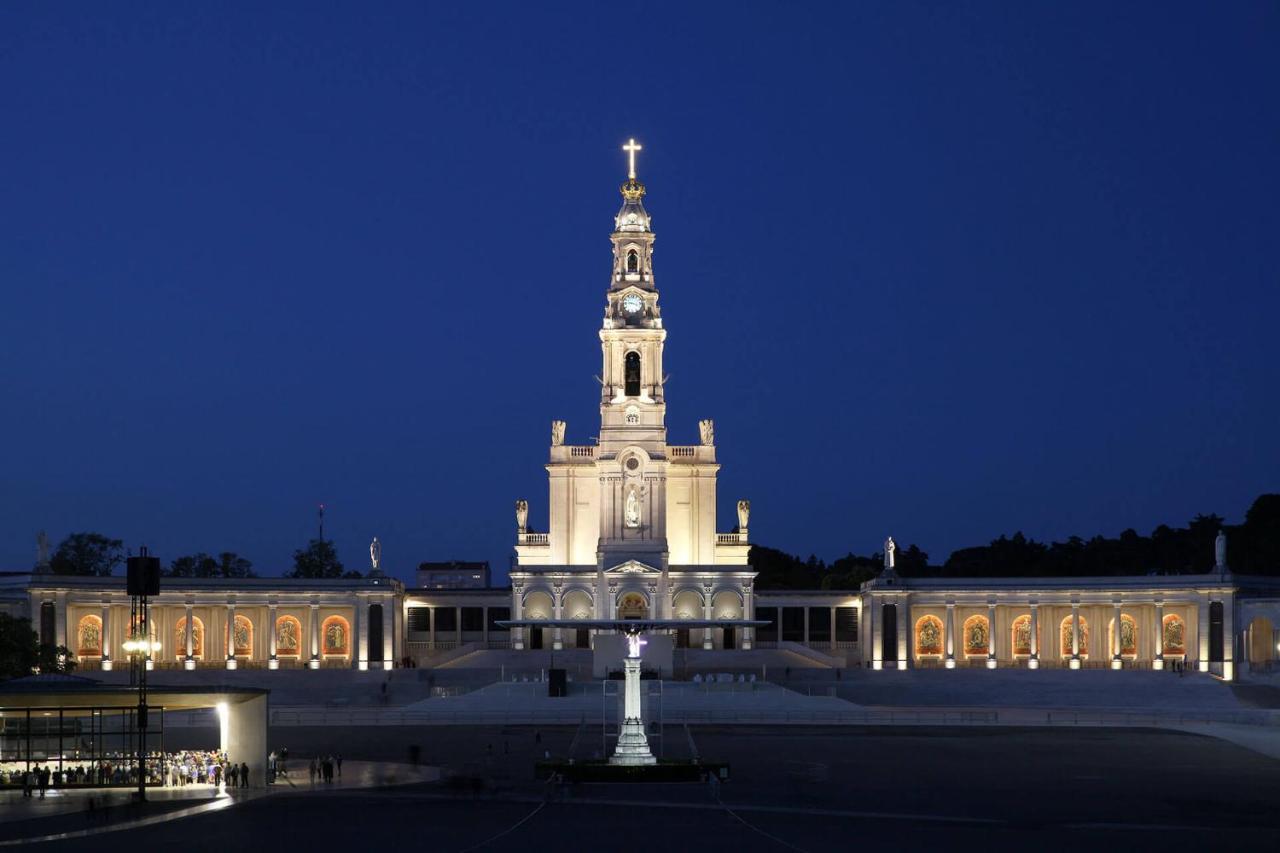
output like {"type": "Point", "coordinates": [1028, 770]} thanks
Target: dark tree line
{"type": "Point", "coordinates": [22, 654]}
{"type": "Point", "coordinates": [98, 555]}
{"type": "Point", "coordinates": [1252, 548]}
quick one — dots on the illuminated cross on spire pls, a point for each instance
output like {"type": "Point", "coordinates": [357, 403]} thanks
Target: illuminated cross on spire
{"type": "Point", "coordinates": [631, 148]}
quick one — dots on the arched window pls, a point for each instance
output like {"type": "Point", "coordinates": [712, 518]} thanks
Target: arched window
{"type": "Point", "coordinates": [633, 261]}
{"type": "Point", "coordinates": [977, 636]}
{"type": "Point", "coordinates": [928, 636]}
{"type": "Point", "coordinates": [632, 374]}
{"type": "Point", "coordinates": [1175, 635]}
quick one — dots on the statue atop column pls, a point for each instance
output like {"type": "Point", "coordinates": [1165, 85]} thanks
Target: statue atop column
{"type": "Point", "coordinates": [707, 431]}
{"type": "Point", "coordinates": [522, 515]}
{"type": "Point", "coordinates": [557, 433]}
{"type": "Point", "coordinates": [890, 547]}
{"type": "Point", "coordinates": [375, 558]}
{"type": "Point", "coordinates": [744, 515]}
{"type": "Point", "coordinates": [1220, 552]}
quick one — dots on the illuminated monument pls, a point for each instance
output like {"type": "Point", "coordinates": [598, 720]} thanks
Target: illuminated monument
{"type": "Point", "coordinates": [632, 518]}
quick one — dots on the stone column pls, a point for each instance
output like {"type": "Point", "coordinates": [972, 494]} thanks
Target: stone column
{"type": "Point", "coordinates": [272, 661]}
{"type": "Point", "coordinates": [314, 663]}
{"type": "Point", "coordinates": [517, 634]}
{"type": "Point", "coordinates": [484, 614]}
{"type": "Point", "coordinates": [1116, 661]}
{"type": "Point", "coordinates": [1157, 660]}
{"type": "Point", "coordinates": [831, 620]}
{"type": "Point", "coordinates": [707, 641]}
{"type": "Point", "coordinates": [873, 632]}
{"type": "Point", "coordinates": [1228, 638]}
{"type": "Point", "coordinates": [1034, 661]}
{"type": "Point", "coordinates": [392, 622]}
{"type": "Point", "coordinates": [106, 637]}
{"type": "Point", "coordinates": [1202, 630]}
{"type": "Point", "coordinates": [363, 653]}
{"type": "Point", "coordinates": [231, 635]}
{"type": "Point", "coordinates": [457, 627]}
{"type": "Point", "coordinates": [431, 625]}
{"type": "Point", "coordinates": [190, 661]}
{"type": "Point", "coordinates": [1075, 635]}
{"type": "Point", "coordinates": [557, 602]}
{"type": "Point", "coordinates": [806, 625]}
{"type": "Point", "coordinates": [951, 635]}
{"type": "Point", "coordinates": [904, 617]}
{"type": "Point", "coordinates": [991, 635]}
{"type": "Point", "coordinates": [748, 612]}
{"type": "Point", "coordinates": [62, 615]}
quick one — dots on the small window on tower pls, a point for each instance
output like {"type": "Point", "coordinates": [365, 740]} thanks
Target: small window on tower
{"type": "Point", "coordinates": [632, 374]}
{"type": "Point", "coordinates": [633, 261]}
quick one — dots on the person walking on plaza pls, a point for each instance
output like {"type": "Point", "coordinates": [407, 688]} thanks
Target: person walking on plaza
{"type": "Point", "coordinates": [339, 761]}
{"type": "Point", "coordinates": [244, 774]}
{"type": "Point", "coordinates": [313, 771]}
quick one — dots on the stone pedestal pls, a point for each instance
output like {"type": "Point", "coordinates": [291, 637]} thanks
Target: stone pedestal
{"type": "Point", "coordinates": [633, 746]}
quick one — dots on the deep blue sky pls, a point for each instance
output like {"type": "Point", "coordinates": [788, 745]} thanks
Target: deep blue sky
{"type": "Point", "coordinates": [939, 270]}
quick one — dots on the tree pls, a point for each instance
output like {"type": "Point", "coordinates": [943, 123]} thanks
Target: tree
{"type": "Point", "coordinates": [87, 554]}
{"type": "Point", "coordinates": [21, 653]}
{"type": "Point", "coordinates": [232, 565]}
{"type": "Point", "coordinates": [192, 566]}
{"type": "Point", "coordinates": [317, 560]}
{"type": "Point", "coordinates": [228, 564]}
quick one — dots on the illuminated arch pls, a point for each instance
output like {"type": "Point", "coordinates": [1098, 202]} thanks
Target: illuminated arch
{"type": "Point", "coordinates": [633, 605]}
{"type": "Point", "coordinates": [89, 637]}
{"type": "Point", "coordinates": [335, 636]}
{"type": "Point", "coordinates": [1128, 636]}
{"type": "Point", "coordinates": [243, 637]}
{"type": "Point", "coordinates": [288, 637]}
{"type": "Point", "coordinates": [977, 636]}
{"type": "Point", "coordinates": [1174, 637]}
{"type": "Point", "coordinates": [929, 636]}
{"type": "Point", "coordinates": [1020, 636]}
{"type": "Point", "coordinates": [1065, 633]}
{"type": "Point", "coordinates": [538, 605]}
{"type": "Point", "coordinates": [577, 604]}
{"type": "Point", "coordinates": [197, 638]}
{"type": "Point", "coordinates": [726, 604]}
{"type": "Point", "coordinates": [687, 604]}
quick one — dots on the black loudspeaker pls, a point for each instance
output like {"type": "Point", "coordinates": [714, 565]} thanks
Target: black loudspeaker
{"type": "Point", "coordinates": [144, 576]}
{"type": "Point", "coordinates": [559, 684]}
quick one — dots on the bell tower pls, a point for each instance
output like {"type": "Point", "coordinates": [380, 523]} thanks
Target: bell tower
{"type": "Point", "coordinates": [633, 436]}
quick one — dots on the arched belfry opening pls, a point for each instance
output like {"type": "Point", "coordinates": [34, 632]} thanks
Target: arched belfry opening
{"type": "Point", "coordinates": [633, 261]}
{"type": "Point", "coordinates": [631, 374]}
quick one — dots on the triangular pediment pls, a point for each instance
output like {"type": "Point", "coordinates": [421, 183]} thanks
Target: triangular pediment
{"type": "Point", "coordinates": [633, 567]}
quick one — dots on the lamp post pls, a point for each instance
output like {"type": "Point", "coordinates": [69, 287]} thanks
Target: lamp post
{"type": "Point", "coordinates": [143, 581]}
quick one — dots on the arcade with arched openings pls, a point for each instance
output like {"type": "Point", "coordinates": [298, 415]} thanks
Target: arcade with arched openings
{"type": "Point", "coordinates": [335, 638]}
{"type": "Point", "coordinates": [197, 638]}
{"type": "Point", "coordinates": [89, 638]}
{"type": "Point", "coordinates": [288, 637]}
{"type": "Point", "coordinates": [239, 642]}
{"type": "Point", "coordinates": [1126, 646]}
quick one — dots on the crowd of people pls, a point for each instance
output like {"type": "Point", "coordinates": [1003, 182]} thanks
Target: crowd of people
{"type": "Point", "coordinates": [163, 769]}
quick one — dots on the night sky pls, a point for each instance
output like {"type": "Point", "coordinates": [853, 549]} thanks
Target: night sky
{"type": "Point", "coordinates": [938, 270]}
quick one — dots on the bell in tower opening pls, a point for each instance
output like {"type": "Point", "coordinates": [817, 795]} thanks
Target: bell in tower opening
{"type": "Point", "coordinates": [632, 374]}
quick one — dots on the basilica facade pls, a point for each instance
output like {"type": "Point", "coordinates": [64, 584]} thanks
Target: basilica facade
{"type": "Point", "coordinates": [632, 518]}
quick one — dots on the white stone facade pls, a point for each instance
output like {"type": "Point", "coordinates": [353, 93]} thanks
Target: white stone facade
{"type": "Point", "coordinates": [631, 518]}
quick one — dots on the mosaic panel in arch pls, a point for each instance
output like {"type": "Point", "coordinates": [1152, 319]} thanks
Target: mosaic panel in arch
{"type": "Point", "coordinates": [977, 636]}
{"type": "Point", "coordinates": [89, 636]}
{"type": "Point", "coordinates": [1175, 635]}
{"type": "Point", "coordinates": [929, 636]}
{"type": "Point", "coordinates": [1022, 635]}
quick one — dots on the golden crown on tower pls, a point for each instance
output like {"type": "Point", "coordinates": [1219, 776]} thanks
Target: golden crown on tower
{"type": "Point", "coordinates": [632, 190]}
